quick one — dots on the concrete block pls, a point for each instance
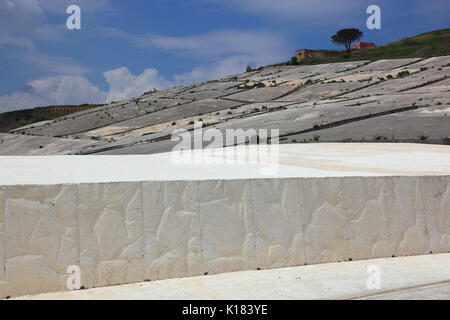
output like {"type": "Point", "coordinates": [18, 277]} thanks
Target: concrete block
{"type": "Point", "coordinates": [436, 206]}
{"type": "Point", "coordinates": [41, 237]}
{"type": "Point", "coordinates": [172, 230]}
{"type": "Point", "coordinates": [111, 228]}
{"type": "Point", "coordinates": [403, 203]}
{"type": "Point", "coordinates": [365, 201]}
{"type": "Point", "coordinates": [227, 226]}
{"type": "Point", "coordinates": [278, 222]}
{"type": "Point", "coordinates": [328, 203]}
{"type": "Point", "coordinates": [387, 217]}
{"type": "Point", "coordinates": [325, 220]}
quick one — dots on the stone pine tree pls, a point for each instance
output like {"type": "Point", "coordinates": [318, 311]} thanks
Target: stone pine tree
{"type": "Point", "coordinates": [346, 37]}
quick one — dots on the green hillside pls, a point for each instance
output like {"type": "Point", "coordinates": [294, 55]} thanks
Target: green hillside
{"type": "Point", "coordinates": [16, 119]}
{"type": "Point", "coordinates": [426, 45]}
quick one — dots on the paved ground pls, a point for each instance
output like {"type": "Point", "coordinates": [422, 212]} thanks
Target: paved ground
{"type": "Point", "coordinates": [284, 161]}
{"type": "Point", "coordinates": [416, 277]}
{"type": "Point", "coordinates": [428, 292]}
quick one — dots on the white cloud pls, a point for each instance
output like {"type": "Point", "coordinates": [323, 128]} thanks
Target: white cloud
{"type": "Point", "coordinates": [221, 52]}
{"type": "Point", "coordinates": [66, 89]}
{"type": "Point", "coordinates": [123, 84]}
{"type": "Point", "coordinates": [77, 89]}
{"type": "Point", "coordinates": [53, 91]}
{"type": "Point", "coordinates": [72, 89]}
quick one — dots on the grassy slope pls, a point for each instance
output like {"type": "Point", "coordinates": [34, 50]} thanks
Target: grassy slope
{"type": "Point", "coordinates": [426, 45]}
{"type": "Point", "coordinates": [16, 119]}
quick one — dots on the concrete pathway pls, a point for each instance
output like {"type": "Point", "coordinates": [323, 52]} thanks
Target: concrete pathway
{"type": "Point", "coordinates": [416, 277]}
{"type": "Point", "coordinates": [283, 161]}
{"type": "Point", "coordinates": [432, 292]}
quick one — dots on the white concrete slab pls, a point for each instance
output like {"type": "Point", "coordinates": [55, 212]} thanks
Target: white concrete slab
{"type": "Point", "coordinates": [296, 160]}
{"type": "Point", "coordinates": [401, 277]}
{"type": "Point", "coordinates": [123, 220]}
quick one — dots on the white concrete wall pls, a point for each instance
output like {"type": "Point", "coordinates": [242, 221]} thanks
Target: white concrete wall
{"type": "Point", "coordinates": [130, 232]}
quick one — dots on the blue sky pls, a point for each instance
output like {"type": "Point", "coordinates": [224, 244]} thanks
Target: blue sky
{"type": "Point", "coordinates": [127, 47]}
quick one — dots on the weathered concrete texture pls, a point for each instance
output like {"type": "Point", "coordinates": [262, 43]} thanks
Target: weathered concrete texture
{"type": "Point", "coordinates": [408, 85]}
{"type": "Point", "coordinates": [439, 89]}
{"type": "Point", "coordinates": [175, 113]}
{"type": "Point", "coordinates": [172, 233]}
{"type": "Point", "coordinates": [434, 128]}
{"type": "Point", "coordinates": [130, 232]}
{"type": "Point", "coordinates": [207, 94]}
{"type": "Point", "coordinates": [382, 65]}
{"type": "Point", "coordinates": [41, 237]}
{"type": "Point", "coordinates": [227, 226]}
{"type": "Point", "coordinates": [416, 277]}
{"type": "Point", "coordinates": [322, 91]}
{"type": "Point", "coordinates": [212, 86]}
{"type": "Point", "coordinates": [111, 228]}
{"type": "Point", "coordinates": [260, 94]}
{"type": "Point", "coordinates": [279, 223]}
{"type": "Point", "coordinates": [78, 123]}
{"type": "Point", "coordinates": [13, 144]}
{"type": "Point", "coordinates": [366, 218]}
{"type": "Point", "coordinates": [302, 117]}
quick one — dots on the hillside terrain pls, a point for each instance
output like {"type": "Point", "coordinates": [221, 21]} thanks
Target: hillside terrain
{"type": "Point", "coordinates": [398, 100]}
{"type": "Point", "coordinates": [14, 119]}
{"type": "Point", "coordinates": [426, 45]}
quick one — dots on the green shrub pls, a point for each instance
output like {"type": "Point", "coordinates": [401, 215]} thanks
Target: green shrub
{"type": "Point", "coordinates": [403, 74]}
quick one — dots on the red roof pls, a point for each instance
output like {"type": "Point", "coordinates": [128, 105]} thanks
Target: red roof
{"type": "Point", "coordinates": [360, 45]}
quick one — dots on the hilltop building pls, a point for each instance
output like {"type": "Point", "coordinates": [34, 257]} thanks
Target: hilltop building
{"type": "Point", "coordinates": [321, 54]}
{"type": "Point", "coordinates": [363, 45]}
